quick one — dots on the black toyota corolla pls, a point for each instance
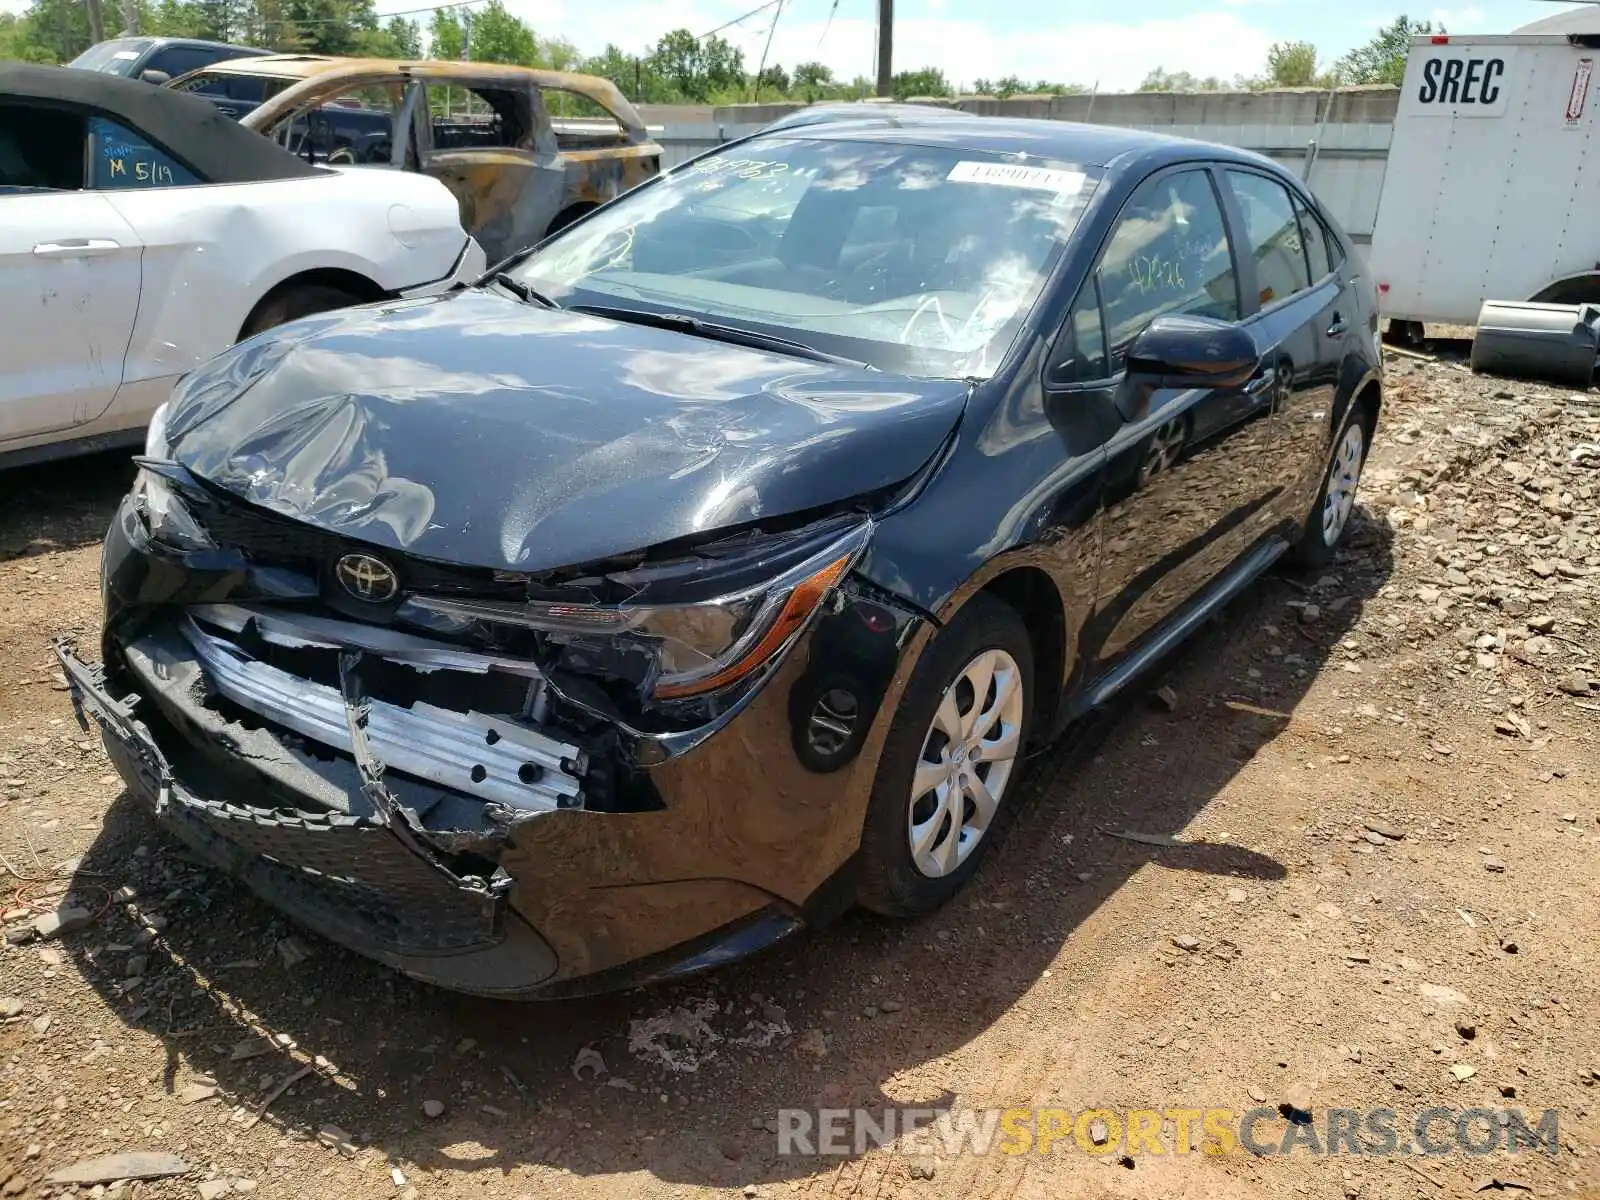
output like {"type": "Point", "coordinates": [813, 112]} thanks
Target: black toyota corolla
{"type": "Point", "coordinates": [708, 568]}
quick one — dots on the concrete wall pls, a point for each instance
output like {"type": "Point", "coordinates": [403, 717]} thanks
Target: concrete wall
{"type": "Point", "coordinates": [1348, 173]}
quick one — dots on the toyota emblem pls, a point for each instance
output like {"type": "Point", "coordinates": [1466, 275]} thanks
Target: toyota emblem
{"type": "Point", "coordinates": [367, 578]}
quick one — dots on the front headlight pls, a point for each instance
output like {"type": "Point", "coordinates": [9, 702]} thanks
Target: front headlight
{"type": "Point", "coordinates": [689, 648]}
{"type": "Point", "coordinates": [165, 515]}
{"type": "Point", "coordinates": [155, 437]}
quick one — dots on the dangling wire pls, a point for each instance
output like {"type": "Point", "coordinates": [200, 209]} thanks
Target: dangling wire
{"type": "Point", "coordinates": [771, 29]}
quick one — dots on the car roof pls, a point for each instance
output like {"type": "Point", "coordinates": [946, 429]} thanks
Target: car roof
{"type": "Point", "coordinates": [1063, 141]}
{"type": "Point", "coordinates": [209, 45]}
{"type": "Point", "coordinates": [305, 67]}
{"type": "Point", "coordinates": [861, 110]}
{"type": "Point", "coordinates": [189, 127]}
{"type": "Point", "coordinates": [309, 66]}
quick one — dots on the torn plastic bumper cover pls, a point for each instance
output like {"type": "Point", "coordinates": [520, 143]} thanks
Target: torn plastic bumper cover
{"type": "Point", "coordinates": [368, 878]}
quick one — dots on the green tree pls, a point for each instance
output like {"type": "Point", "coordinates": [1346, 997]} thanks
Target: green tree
{"type": "Point", "coordinates": [633, 75]}
{"type": "Point", "coordinates": [929, 81]}
{"type": "Point", "coordinates": [694, 68]}
{"type": "Point", "coordinates": [332, 26]}
{"type": "Point", "coordinates": [219, 20]}
{"type": "Point", "coordinates": [17, 39]}
{"type": "Point", "coordinates": [1291, 65]}
{"type": "Point", "coordinates": [446, 38]}
{"type": "Point", "coordinates": [812, 81]}
{"type": "Point", "coordinates": [774, 79]}
{"type": "Point", "coordinates": [499, 37]}
{"type": "Point", "coordinates": [53, 31]}
{"type": "Point", "coordinates": [559, 55]}
{"type": "Point", "coordinates": [1162, 80]}
{"type": "Point", "coordinates": [406, 36]}
{"type": "Point", "coordinates": [1383, 59]}
{"type": "Point", "coordinates": [184, 18]}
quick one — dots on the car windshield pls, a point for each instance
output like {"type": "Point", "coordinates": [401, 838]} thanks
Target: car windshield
{"type": "Point", "coordinates": [915, 259]}
{"type": "Point", "coordinates": [111, 58]}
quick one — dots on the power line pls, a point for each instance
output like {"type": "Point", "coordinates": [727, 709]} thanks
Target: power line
{"type": "Point", "coordinates": [834, 7]}
{"type": "Point", "coordinates": [771, 29]}
{"type": "Point", "coordinates": [409, 12]}
{"type": "Point", "coordinates": [760, 8]}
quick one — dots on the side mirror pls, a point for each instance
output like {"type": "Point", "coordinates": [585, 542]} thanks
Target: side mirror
{"type": "Point", "coordinates": [1177, 351]}
{"type": "Point", "coordinates": [152, 75]}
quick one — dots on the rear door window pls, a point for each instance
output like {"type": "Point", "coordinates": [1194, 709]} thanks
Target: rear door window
{"type": "Point", "coordinates": [1322, 249]}
{"type": "Point", "coordinates": [581, 123]}
{"type": "Point", "coordinates": [481, 118]}
{"type": "Point", "coordinates": [122, 159]}
{"type": "Point", "coordinates": [1274, 236]}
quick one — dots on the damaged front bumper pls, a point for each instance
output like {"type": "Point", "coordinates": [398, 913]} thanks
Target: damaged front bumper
{"type": "Point", "coordinates": [342, 873]}
{"type": "Point", "coordinates": [416, 801]}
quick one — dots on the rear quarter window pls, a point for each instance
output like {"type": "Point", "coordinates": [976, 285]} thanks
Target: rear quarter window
{"type": "Point", "coordinates": [123, 159]}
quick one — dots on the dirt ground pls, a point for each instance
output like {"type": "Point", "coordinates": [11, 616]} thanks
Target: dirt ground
{"type": "Point", "coordinates": [1380, 888]}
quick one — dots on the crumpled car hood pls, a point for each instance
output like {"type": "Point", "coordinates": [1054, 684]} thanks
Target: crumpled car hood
{"type": "Point", "coordinates": [480, 430]}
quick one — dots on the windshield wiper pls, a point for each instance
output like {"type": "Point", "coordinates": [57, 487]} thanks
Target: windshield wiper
{"type": "Point", "coordinates": [521, 290]}
{"type": "Point", "coordinates": [712, 331]}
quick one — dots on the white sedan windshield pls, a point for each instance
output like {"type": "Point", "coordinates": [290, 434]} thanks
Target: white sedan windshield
{"type": "Point", "coordinates": [912, 258]}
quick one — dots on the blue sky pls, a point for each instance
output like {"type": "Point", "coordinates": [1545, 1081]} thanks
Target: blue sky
{"type": "Point", "coordinates": [1074, 41]}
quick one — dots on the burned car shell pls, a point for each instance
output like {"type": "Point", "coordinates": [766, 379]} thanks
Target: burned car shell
{"type": "Point", "coordinates": [510, 196]}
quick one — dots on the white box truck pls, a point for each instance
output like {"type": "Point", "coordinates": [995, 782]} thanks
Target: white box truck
{"type": "Point", "coordinates": [1492, 191]}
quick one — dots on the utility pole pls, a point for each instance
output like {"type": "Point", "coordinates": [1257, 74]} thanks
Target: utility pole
{"type": "Point", "coordinates": [885, 47]}
{"type": "Point", "coordinates": [97, 31]}
{"type": "Point", "coordinates": [130, 15]}
{"type": "Point", "coordinates": [466, 34]}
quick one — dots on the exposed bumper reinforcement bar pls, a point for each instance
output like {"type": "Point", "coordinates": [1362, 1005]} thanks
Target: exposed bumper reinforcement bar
{"type": "Point", "coordinates": [477, 755]}
{"type": "Point", "coordinates": [347, 877]}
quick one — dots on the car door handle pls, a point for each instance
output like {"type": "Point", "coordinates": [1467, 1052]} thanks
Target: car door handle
{"type": "Point", "coordinates": [76, 248]}
{"type": "Point", "coordinates": [1262, 384]}
{"type": "Point", "coordinates": [1338, 326]}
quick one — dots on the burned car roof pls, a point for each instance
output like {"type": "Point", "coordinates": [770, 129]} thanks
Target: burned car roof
{"type": "Point", "coordinates": [327, 68]}
{"type": "Point", "coordinates": [189, 127]}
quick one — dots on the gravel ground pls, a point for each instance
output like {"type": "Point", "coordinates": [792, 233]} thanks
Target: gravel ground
{"type": "Point", "coordinates": [1367, 875]}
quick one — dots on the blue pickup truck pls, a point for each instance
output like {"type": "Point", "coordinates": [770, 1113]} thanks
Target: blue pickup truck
{"type": "Point", "coordinates": [157, 59]}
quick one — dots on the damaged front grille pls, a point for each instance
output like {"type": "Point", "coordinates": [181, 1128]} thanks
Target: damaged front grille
{"type": "Point", "coordinates": [266, 538]}
{"type": "Point", "coordinates": [499, 759]}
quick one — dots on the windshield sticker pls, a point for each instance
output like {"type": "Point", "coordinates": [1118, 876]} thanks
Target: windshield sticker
{"type": "Point", "coordinates": [1038, 179]}
{"type": "Point", "coordinates": [124, 54]}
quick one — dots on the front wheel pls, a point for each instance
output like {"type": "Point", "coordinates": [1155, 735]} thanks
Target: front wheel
{"type": "Point", "coordinates": [1329, 520]}
{"type": "Point", "coordinates": [295, 301]}
{"type": "Point", "coordinates": [950, 763]}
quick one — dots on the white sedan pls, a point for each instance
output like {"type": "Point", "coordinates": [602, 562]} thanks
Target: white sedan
{"type": "Point", "coordinates": [142, 232]}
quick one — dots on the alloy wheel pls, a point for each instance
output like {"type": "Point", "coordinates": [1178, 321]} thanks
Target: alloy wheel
{"type": "Point", "coordinates": [968, 755]}
{"type": "Point", "coordinates": [1343, 478]}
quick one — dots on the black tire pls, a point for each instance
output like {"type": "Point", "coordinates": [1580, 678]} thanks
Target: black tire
{"type": "Point", "coordinates": [296, 300]}
{"type": "Point", "coordinates": [1314, 550]}
{"type": "Point", "coordinates": [1405, 333]}
{"type": "Point", "coordinates": [888, 879]}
